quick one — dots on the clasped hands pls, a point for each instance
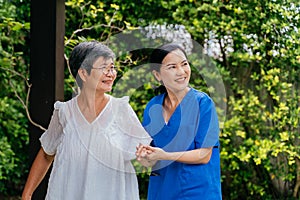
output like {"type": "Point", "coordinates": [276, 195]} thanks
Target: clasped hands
{"type": "Point", "coordinates": [148, 155]}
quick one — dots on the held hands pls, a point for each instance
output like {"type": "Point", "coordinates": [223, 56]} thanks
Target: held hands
{"type": "Point", "coordinates": [148, 155]}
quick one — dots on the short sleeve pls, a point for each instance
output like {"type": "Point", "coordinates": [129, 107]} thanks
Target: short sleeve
{"type": "Point", "coordinates": [51, 138]}
{"type": "Point", "coordinates": [208, 128]}
{"type": "Point", "coordinates": [134, 132]}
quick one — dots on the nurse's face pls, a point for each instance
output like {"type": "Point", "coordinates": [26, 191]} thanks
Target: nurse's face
{"type": "Point", "coordinates": [174, 72]}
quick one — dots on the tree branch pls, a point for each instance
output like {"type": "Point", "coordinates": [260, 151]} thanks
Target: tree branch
{"type": "Point", "coordinates": [26, 103]}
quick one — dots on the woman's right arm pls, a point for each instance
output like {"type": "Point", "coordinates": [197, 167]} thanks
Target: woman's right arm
{"type": "Point", "coordinates": [37, 172]}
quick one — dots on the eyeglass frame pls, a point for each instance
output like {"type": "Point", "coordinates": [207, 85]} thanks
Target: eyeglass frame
{"type": "Point", "coordinates": [106, 70]}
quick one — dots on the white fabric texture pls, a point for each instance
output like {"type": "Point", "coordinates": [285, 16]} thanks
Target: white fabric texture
{"type": "Point", "coordinates": [93, 160]}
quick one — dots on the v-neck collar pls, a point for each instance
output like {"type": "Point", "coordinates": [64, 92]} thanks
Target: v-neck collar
{"type": "Point", "coordinates": [177, 107]}
{"type": "Point", "coordinates": [98, 116]}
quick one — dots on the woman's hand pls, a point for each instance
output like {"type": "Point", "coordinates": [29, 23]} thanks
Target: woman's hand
{"type": "Point", "coordinates": [140, 151]}
{"type": "Point", "coordinates": [155, 153]}
{"type": "Point", "coordinates": [150, 153]}
{"type": "Point", "coordinates": [141, 156]}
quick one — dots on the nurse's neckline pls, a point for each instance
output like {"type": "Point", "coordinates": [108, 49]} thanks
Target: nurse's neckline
{"type": "Point", "coordinates": [169, 107]}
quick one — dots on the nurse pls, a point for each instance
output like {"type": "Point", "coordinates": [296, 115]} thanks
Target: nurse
{"type": "Point", "coordinates": [183, 123]}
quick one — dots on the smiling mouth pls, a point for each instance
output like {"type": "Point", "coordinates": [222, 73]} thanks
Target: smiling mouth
{"type": "Point", "coordinates": [104, 81]}
{"type": "Point", "coordinates": [107, 82]}
{"type": "Point", "coordinates": [180, 79]}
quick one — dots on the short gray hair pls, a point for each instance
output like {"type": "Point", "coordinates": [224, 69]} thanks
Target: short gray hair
{"type": "Point", "coordinates": [85, 54]}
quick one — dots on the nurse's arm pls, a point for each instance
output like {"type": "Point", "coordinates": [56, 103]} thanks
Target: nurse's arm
{"type": "Point", "coordinates": [37, 172]}
{"type": "Point", "coordinates": [196, 156]}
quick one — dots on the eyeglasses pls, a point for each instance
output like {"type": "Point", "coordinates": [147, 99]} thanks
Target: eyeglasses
{"type": "Point", "coordinates": [106, 70]}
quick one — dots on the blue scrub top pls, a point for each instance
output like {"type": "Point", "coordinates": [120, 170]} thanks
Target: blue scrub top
{"type": "Point", "coordinates": [193, 125]}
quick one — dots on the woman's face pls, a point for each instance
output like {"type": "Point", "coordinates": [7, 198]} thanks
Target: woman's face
{"type": "Point", "coordinates": [102, 76]}
{"type": "Point", "coordinates": [175, 71]}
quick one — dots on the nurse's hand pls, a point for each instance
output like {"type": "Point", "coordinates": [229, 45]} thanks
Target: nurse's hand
{"type": "Point", "coordinates": [155, 153]}
{"type": "Point", "coordinates": [141, 156]}
{"type": "Point", "coordinates": [196, 156]}
{"type": "Point", "coordinates": [141, 151]}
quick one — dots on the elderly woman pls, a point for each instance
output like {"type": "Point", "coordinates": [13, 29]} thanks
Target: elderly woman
{"type": "Point", "coordinates": [91, 138]}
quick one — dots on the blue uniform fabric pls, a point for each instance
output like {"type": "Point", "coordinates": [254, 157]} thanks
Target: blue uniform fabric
{"type": "Point", "coordinates": [193, 125]}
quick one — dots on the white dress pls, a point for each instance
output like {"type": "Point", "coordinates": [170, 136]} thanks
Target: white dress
{"type": "Point", "coordinates": [93, 160]}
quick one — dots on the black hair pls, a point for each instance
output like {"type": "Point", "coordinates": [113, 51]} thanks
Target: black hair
{"type": "Point", "coordinates": [158, 55]}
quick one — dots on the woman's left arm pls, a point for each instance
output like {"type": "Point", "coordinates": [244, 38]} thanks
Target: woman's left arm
{"type": "Point", "coordinates": [196, 156]}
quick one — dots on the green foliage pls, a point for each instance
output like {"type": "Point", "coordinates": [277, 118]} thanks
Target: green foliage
{"type": "Point", "coordinates": [258, 54]}
{"type": "Point", "coordinates": [13, 120]}
{"type": "Point", "coordinates": [14, 140]}
{"type": "Point", "coordinates": [255, 46]}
